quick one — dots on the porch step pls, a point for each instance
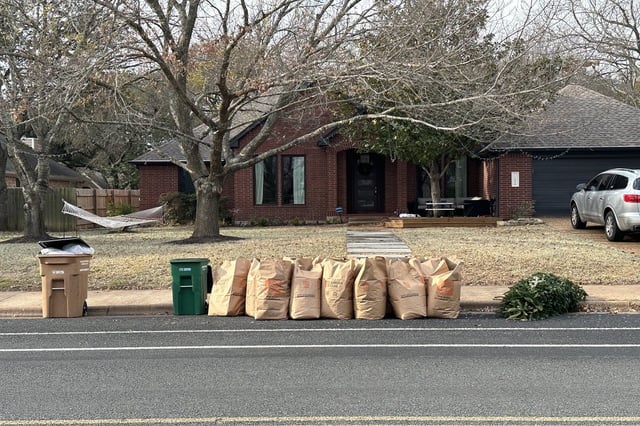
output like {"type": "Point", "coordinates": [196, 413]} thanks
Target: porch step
{"type": "Point", "coordinates": [358, 220]}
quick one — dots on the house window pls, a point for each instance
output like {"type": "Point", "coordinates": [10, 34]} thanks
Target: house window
{"type": "Point", "coordinates": [454, 183]}
{"type": "Point", "coordinates": [265, 181]}
{"type": "Point", "coordinates": [293, 179]}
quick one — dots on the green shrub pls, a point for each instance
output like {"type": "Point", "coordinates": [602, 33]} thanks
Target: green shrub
{"type": "Point", "coordinates": [179, 208]}
{"type": "Point", "coordinates": [525, 209]}
{"type": "Point", "coordinates": [261, 221]}
{"type": "Point", "coordinates": [119, 209]}
{"type": "Point", "coordinates": [296, 221]}
{"type": "Point", "coordinates": [540, 296]}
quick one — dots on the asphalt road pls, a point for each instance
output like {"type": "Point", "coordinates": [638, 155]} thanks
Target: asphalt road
{"type": "Point", "coordinates": [479, 370]}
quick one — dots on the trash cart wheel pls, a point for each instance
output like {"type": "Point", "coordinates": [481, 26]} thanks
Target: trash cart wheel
{"type": "Point", "coordinates": [85, 309]}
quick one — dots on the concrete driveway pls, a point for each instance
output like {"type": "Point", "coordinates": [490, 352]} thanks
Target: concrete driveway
{"type": "Point", "coordinates": [595, 233]}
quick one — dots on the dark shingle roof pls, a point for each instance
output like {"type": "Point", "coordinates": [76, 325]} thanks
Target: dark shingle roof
{"type": "Point", "coordinates": [168, 150]}
{"type": "Point", "coordinates": [579, 118]}
{"type": "Point", "coordinates": [56, 169]}
{"type": "Point", "coordinates": [244, 121]}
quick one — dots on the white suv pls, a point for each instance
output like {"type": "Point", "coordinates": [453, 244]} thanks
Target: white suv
{"type": "Point", "coordinates": [612, 199]}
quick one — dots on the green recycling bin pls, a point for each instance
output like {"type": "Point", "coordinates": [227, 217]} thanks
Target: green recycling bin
{"type": "Point", "coordinates": [189, 283]}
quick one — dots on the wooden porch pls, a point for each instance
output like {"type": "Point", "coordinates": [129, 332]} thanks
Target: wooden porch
{"type": "Point", "coordinates": [447, 221]}
{"type": "Point", "coordinates": [421, 222]}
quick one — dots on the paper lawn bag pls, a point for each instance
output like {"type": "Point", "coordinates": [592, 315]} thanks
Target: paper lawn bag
{"type": "Point", "coordinates": [272, 282]}
{"type": "Point", "coordinates": [337, 288]}
{"type": "Point", "coordinates": [370, 289]}
{"type": "Point", "coordinates": [229, 288]}
{"type": "Point", "coordinates": [306, 289]}
{"type": "Point", "coordinates": [250, 297]}
{"type": "Point", "coordinates": [443, 290]}
{"type": "Point", "coordinates": [407, 290]}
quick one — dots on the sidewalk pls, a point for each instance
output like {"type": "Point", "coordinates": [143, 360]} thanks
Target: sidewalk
{"type": "Point", "coordinates": [160, 302]}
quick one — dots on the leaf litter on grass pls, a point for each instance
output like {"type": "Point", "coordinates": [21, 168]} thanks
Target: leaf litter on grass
{"type": "Point", "coordinates": [492, 255]}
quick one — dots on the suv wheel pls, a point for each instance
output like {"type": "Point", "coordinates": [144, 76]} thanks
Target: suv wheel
{"type": "Point", "coordinates": [611, 227]}
{"type": "Point", "coordinates": [576, 223]}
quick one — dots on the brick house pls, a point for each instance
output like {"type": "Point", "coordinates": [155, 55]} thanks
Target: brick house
{"type": "Point", "coordinates": [580, 134]}
{"type": "Point", "coordinates": [308, 182]}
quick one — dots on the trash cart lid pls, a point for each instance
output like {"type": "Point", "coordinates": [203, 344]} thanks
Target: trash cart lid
{"type": "Point", "coordinates": [59, 243]}
{"type": "Point", "coordinates": [190, 260]}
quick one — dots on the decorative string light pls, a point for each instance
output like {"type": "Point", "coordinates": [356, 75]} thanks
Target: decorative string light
{"type": "Point", "coordinates": [504, 153]}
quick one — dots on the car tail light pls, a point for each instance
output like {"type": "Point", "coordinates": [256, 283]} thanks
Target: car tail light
{"type": "Point", "coordinates": [632, 198]}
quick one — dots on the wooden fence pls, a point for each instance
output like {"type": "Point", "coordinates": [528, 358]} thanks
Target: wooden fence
{"type": "Point", "coordinates": [96, 201]}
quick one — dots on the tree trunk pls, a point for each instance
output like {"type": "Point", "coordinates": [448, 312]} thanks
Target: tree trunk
{"type": "Point", "coordinates": [434, 180]}
{"type": "Point", "coordinates": [4, 195]}
{"type": "Point", "coordinates": [34, 190]}
{"type": "Point", "coordinates": [33, 214]}
{"type": "Point", "coordinates": [433, 171]}
{"type": "Point", "coordinates": [207, 223]}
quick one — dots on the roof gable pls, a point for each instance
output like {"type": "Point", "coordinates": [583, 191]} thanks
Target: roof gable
{"type": "Point", "coordinates": [245, 120]}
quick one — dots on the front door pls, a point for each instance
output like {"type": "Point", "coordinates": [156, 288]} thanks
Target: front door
{"type": "Point", "coordinates": [365, 176]}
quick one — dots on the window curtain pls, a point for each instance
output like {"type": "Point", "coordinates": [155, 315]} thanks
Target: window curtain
{"type": "Point", "coordinates": [259, 182]}
{"type": "Point", "coordinates": [298, 180]}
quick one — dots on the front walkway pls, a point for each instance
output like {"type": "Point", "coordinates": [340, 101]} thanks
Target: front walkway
{"type": "Point", "coordinates": [376, 243]}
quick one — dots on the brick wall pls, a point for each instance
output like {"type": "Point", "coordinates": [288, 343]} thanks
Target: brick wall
{"type": "Point", "coordinates": [396, 186]}
{"type": "Point", "coordinates": [319, 174]}
{"type": "Point", "coordinates": [319, 178]}
{"type": "Point", "coordinates": [511, 197]}
{"type": "Point", "coordinates": [155, 180]}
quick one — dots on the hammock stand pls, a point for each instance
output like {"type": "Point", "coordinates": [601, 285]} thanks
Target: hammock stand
{"type": "Point", "coordinates": [142, 217]}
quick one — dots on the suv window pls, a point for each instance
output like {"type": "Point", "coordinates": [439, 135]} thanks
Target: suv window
{"type": "Point", "coordinates": [618, 182]}
{"type": "Point", "coordinates": [599, 183]}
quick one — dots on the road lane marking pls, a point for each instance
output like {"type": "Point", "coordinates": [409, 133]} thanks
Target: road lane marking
{"type": "Point", "coordinates": [306, 330]}
{"type": "Point", "coordinates": [345, 420]}
{"type": "Point", "coordinates": [330, 346]}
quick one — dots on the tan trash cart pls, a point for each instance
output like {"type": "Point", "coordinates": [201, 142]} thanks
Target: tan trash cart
{"type": "Point", "coordinates": [65, 281]}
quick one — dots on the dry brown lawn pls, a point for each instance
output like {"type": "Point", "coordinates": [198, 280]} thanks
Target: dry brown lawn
{"type": "Point", "coordinates": [492, 256]}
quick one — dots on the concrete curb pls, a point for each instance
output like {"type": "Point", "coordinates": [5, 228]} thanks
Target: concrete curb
{"type": "Point", "coordinates": [602, 298]}
{"type": "Point", "coordinates": [160, 309]}
{"type": "Point", "coordinates": [154, 309]}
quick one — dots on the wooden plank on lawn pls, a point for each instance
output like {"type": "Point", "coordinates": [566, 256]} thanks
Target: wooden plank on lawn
{"type": "Point", "coordinates": [423, 222]}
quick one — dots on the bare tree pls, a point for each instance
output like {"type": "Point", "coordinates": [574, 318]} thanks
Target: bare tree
{"type": "Point", "coordinates": [606, 35]}
{"type": "Point", "coordinates": [457, 81]}
{"type": "Point", "coordinates": [4, 213]}
{"type": "Point", "coordinates": [228, 63]}
{"type": "Point", "coordinates": [47, 61]}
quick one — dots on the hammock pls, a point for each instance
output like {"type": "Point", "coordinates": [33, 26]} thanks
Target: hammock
{"type": "Point", "coordinates": [138, 218]}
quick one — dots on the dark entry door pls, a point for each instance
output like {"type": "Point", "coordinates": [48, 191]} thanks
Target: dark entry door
{"type": "Point", "coordinates": [365, 175]}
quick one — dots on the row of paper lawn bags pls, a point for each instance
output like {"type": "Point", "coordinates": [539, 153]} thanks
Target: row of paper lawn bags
{"type": "Point", "coordinates": [367, 288]}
